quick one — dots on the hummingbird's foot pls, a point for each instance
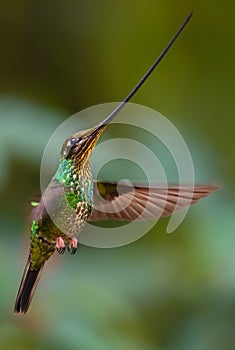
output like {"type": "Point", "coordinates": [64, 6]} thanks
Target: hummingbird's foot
{"type": "Point", "coordinates": [72, 246]}
{"type": "Point", "coordinates": [60, 246]}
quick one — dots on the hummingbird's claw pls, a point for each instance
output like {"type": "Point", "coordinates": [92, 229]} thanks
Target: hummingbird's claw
{"type": "Point", "coordinates": [72, 246]}
{"type": "Point", "coordinates": [60, 246]}
{"type": "Point", "coordinates": [72, 250]}
{"type": "Point", "coordinates": [61, 250]}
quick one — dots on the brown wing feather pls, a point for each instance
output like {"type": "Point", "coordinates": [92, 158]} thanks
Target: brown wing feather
{"type": "Point", "coordinates": [128, 203]}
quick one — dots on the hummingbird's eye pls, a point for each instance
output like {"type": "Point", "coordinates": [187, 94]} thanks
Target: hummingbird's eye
{"type": "Point", "coordinates": [73, 141]}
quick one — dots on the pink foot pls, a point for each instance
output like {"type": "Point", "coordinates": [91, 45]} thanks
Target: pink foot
{"type": "Point", "coordinates": [72, 246]}
{"type": "Point", "coordinates": [60, 246]}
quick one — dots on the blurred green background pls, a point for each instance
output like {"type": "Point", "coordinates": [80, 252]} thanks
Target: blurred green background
{"type": "Point", "coordinates": [162, 292]}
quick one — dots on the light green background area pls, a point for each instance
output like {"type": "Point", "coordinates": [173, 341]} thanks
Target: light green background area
{"type": "Point", "coordinates": [163, 292]}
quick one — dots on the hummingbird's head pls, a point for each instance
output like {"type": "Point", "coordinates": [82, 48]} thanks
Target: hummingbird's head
{"type": "Point", "coordinates": [79, 145]}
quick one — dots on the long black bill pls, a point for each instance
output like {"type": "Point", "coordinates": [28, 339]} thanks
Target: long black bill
{"type": "Point", "coordinates": [113, 114]}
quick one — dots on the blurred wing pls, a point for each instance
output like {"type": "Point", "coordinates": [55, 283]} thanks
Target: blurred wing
{"type": "Point", "coordinates": [52, 194]}
{"type": "Point", "coordinates": [127, 203]}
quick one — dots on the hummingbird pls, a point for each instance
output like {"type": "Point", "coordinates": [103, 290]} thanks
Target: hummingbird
{"type": "Point", "coordinates": [74, 198]}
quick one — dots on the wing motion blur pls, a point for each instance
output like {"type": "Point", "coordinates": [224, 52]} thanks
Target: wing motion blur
{"type": "Point", "coordinates": [125, 202]}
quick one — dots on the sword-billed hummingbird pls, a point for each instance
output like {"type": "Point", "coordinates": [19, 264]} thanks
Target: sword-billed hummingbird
{"type": "Point", "coordinates": [72, 184]}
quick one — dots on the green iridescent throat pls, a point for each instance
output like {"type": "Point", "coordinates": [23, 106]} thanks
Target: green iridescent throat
{"type": "Point", "coordinates": [34, 227]}
{"type": "Point", "coordinates": [78, 188]}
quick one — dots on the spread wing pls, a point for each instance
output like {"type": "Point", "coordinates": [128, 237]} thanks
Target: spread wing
{"type": "Point", "coordinates": [127, 202]}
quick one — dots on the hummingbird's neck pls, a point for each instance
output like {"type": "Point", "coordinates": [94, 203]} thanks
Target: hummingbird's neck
{"type": "Point", "coordinates": [69, 172]}
{"type": "Point", "coordinates": [78, 185]}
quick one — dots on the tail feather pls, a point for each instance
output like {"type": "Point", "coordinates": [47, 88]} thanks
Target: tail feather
{"type": "Point", "coordinates": [27, 287]}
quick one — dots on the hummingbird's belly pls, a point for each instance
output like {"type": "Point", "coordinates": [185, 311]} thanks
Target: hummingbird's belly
{"type": "Point", "coordinates": [73, 212]}
{"type": "Point", "coordinates": [71, 221]}
{"type": "Point", "coordinates": [74, 203]}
